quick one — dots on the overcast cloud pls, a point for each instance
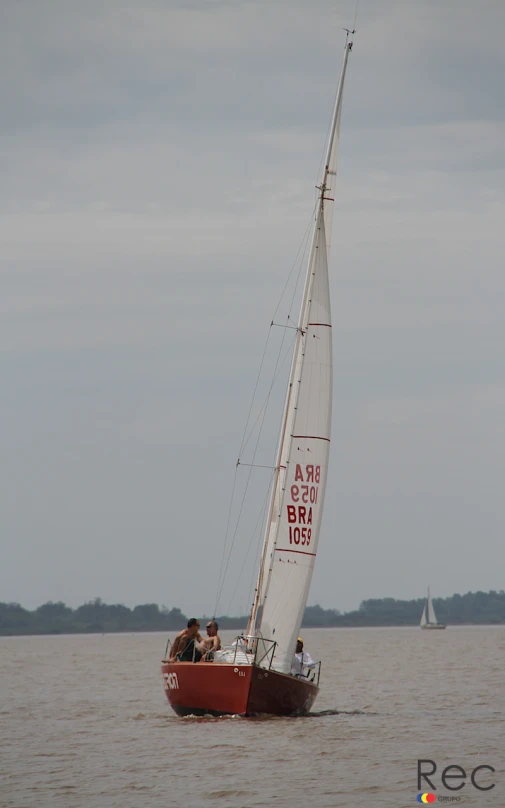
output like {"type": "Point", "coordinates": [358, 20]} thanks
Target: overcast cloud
{"type": "Point", "coordinates": [158, 163]}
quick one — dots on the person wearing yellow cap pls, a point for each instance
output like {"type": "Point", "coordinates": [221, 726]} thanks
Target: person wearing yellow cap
{"type": "Point", "coordinates": [302, 661]}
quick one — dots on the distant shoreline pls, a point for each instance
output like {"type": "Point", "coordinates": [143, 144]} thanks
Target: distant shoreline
{"type": "Point", "coordinates": [163, 632]}
{"type": "Point", "coordinates": [97, 617]}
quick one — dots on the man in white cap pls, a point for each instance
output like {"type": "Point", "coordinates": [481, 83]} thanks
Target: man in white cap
{"type": "Point", "coordinates": [302, 661]}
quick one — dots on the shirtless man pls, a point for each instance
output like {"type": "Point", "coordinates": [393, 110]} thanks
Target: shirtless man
{"type": "Point", "coordinates": [185, 641]}
{"type": "Point", "coordinates": [212, 642]}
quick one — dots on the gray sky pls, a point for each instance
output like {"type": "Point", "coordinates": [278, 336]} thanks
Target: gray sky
{"type": "Point", "coordinates": [158, 163]}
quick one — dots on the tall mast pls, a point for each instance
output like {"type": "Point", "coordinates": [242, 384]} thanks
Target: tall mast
{"type": "Point", "coordinates": [322, 218]}
{"type": "Point", "coordinates": [330, 164]}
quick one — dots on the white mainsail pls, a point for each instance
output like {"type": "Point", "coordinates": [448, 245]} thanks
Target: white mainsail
{"type": "Point", "coordinates": [296, 505]}
{"type": "Point", "coordinates": [432, 618]}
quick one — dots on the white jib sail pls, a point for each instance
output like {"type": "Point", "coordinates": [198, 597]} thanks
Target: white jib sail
{"type": "Point", "coordinates": [292, 531]}
{"type": "Point", "coordinates": [423, 616]}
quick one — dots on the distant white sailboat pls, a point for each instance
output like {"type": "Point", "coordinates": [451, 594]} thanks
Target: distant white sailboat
{"type": "Point", "coordinates": [428, 617]}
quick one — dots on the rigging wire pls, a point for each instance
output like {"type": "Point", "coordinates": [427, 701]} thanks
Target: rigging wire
{"type": "Point", "coordinates": [259, 521]}
{"type": "Point", "coordinates": [232, 497]}
{"type": "Point", "coordinates": [222, 577]}
{"type": "Point", "coordinates": [252, 580]}
{"type": "Point", "coordinates": [303, 244]}
{"type": "Point", "coordinates": [244, 441]}
{"type": "Point", "coordinates": [251, 466]}
{"type": "Point", "coordinates": [264, 406]}
{"type": "Point", "coordinates": [247, 437]}
{"type": "Point", "coordinates": [299, 255]}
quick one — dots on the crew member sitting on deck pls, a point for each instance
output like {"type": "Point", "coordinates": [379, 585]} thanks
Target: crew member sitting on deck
{"type": "Point", "coordinates": [211, 643]}
{"type": "Point", "coordinates": [302, 661]}
{"type": "Point", "coordinates": [185, 648]}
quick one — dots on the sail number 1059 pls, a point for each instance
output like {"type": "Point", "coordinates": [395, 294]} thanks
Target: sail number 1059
{"type": "Point", "coordinates": [300, 535]}
{"type": "Point", "coordinates": [304, 493]}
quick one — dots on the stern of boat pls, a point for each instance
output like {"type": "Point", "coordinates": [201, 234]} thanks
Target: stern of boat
{"type": "Point", "coordinates": [280, 693]}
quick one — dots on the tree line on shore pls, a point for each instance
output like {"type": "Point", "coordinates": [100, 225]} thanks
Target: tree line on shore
{"type": "Point", "coordinates": [97, 616]}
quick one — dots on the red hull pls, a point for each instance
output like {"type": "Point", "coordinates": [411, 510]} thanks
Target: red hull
{"type": "Point", "coordinates": [210, 688]}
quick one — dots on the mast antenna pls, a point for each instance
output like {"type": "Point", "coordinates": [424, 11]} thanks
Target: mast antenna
{"type": "Point", "coordinates": [355, 16]}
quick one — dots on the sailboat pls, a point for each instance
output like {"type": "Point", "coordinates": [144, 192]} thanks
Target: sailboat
{"type": "Point", "coordinates": [253, 676]}
{"type": "Point", "coordinates": [428, 617]}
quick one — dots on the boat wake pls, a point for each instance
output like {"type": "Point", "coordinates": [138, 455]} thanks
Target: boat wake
{"type": "Point", "coordinates": [267, 717]}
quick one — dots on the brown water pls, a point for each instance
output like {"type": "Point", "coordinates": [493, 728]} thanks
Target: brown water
{"type": "Point", "coordinates": [85, 724]}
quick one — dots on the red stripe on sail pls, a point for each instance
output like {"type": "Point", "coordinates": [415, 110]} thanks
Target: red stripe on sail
{"type": "Point", "coordinates": [287, 550]}
{"type": "Point", "coordinates": [328, 325]}
{"type": "Point", "coordinates": [312, 437]}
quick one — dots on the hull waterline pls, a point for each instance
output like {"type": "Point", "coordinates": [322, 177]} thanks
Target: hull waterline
{"type": "Point", "coordinates": [226, 689]}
